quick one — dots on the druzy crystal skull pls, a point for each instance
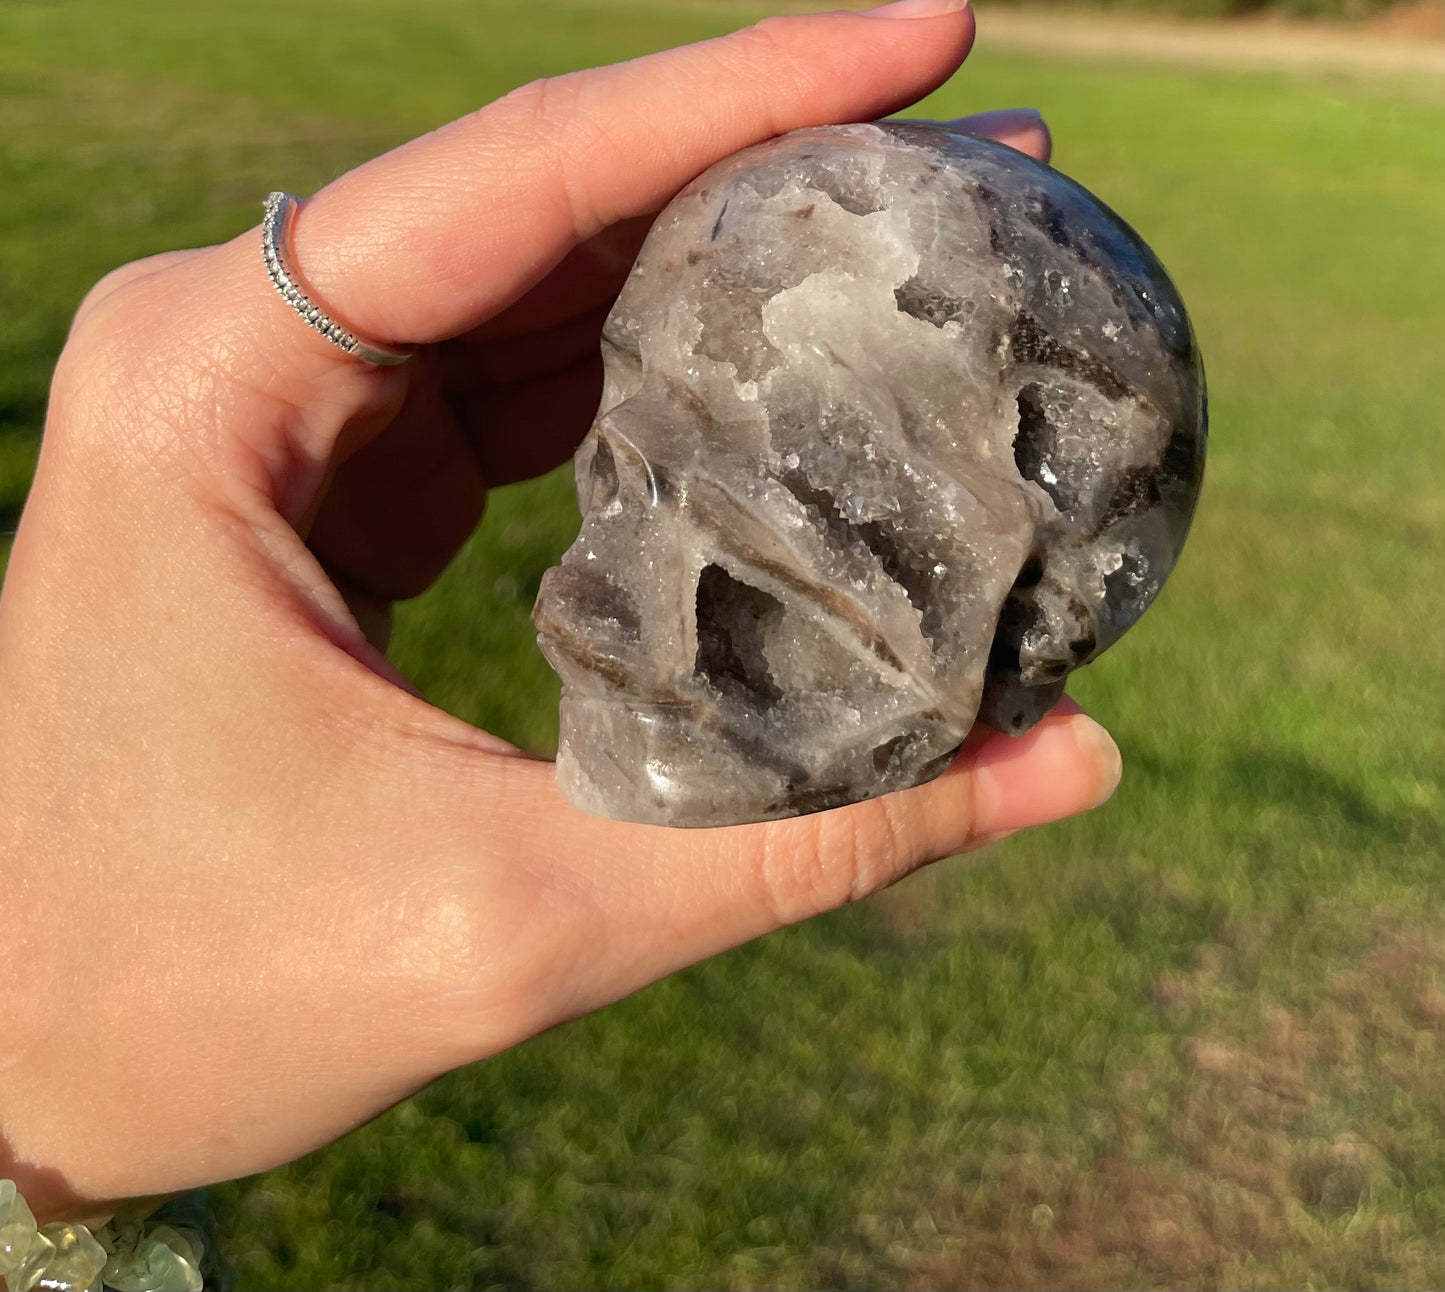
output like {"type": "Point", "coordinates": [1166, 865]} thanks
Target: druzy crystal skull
{"type": "Point", "coordinates": [899, 428]}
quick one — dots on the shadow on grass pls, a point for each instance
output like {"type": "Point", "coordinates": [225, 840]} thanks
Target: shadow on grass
{"type": "Point", "coordinates": [1285, 779]}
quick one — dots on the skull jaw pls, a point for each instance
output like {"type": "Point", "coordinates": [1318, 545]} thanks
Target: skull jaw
{"type": "Point", "coordinates": [640, 762]}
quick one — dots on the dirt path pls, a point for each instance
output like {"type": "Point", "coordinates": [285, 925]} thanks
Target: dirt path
{"type": "Point", "coordinates": [1407, 43]}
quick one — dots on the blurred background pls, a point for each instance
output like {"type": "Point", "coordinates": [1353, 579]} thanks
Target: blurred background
{"type": "Point", "coordinates": [1194, 1040]}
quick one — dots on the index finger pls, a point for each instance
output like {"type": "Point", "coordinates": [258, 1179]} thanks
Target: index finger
{"type": "Point", "coordinates": [427, 241]}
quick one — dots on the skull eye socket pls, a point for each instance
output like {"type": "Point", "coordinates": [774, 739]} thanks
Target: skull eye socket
{"type": "Point", "coordinates": [1128, 589]}
{"type": "Point", "coordinates": [733, 621]}
{"type": "Point", "coordinates": [1038, 453]}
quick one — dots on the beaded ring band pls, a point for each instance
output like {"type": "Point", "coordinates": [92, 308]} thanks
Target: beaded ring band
{"type": "Point", "coordinates": [281, 210]}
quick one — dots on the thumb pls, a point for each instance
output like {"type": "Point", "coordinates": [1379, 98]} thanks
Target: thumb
{"type": "Point", "coordinates": [614, 906]}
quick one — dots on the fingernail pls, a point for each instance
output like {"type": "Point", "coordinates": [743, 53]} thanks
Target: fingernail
{"type": "Point", "coordinates": [1001, 121]}
{"type": "Point", "coordinates": [1099, 748]}
{"type": "Point", "coordinates": [918, 8]}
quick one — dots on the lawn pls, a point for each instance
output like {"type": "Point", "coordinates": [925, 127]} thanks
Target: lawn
{"type": "Point", "coordinates": [1196, 1039]}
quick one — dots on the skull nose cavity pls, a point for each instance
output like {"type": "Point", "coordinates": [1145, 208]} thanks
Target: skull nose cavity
{"type": "Point", "coordinates": [619, 460]}
{"type": "Point", "coordinates": [604, 488]}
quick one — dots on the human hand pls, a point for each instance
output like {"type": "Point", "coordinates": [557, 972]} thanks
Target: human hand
{"type": "Point", "coordinates": [255, 889]}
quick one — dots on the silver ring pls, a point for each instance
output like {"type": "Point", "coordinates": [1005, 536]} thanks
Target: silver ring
{"type": "Point", "coordinates": [281, 209]}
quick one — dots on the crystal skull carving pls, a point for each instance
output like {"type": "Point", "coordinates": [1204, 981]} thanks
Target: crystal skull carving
{"type": "Point", "coordinates": [899, 428]}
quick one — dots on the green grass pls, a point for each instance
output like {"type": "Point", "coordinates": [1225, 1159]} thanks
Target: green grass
{"type": "Point", "coordinates": [1196, 1039]}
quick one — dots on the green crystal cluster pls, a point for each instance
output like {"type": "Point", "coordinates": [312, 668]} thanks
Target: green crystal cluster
{"type": "Point", "coordinates": [124, 1256]}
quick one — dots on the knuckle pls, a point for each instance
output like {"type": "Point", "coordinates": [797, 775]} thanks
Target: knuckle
{"type": "Point", "coordinates": [797, 874]}
{"type": "Point", "coordinates": [118, 320]}
{"type": "Point", "coordinates": [769, 65]}
{"type": "Point", "coordinates": [535, 115]}
{"type": "Point", "coordinates": [116, 287]}
{"type": "Point", "coordinates": [128, 375]}
{"type": "Point", "coordinates": [771, 36]}
{"type": "Point", "coordinates": [524, 108]}
{"type": "Point", "coordinates": [95, 299]}
{"type": "Point", "coordinates": [530, 136]}
{"type": "Point", "coordinates": [816, 863]}
{"type": "Point", "coordinates": [770, 51]}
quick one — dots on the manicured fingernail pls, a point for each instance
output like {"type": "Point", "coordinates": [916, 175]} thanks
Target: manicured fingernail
{"type": "Point", "coordinates": [918, 8]}
{"type": "Point", "coordinates": [1099, 747]}
{"type": "Point", "coordinates": [1001, 121]}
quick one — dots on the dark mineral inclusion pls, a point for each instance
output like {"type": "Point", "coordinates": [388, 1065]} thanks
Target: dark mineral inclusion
{"type": "Point", "coordinates": [899, 428]}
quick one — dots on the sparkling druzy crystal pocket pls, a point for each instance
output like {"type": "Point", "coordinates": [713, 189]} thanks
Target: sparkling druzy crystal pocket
{"type": "Point", "coordinates": [900, 427]}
